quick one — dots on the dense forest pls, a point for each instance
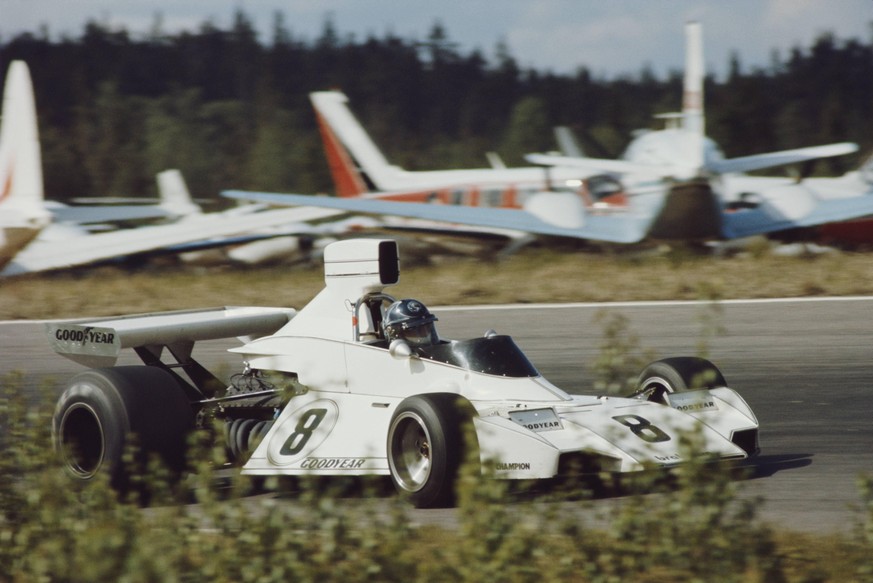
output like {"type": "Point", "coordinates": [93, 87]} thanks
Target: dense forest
{"type": "Point", "coordinates": [231, 110]}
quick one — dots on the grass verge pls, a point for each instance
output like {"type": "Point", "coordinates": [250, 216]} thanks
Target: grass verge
{"type": "Point", "coordinates": [533, 275]}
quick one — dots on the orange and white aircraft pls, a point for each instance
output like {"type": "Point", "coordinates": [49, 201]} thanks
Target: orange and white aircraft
{"type": "Point", "coordinates": [565, 202]}
{"type": "Point", "coordinates": [671, 184]}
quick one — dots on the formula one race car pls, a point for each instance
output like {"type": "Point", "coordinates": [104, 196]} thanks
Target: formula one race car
{"type": "Point", "coordinates": [358, 383]}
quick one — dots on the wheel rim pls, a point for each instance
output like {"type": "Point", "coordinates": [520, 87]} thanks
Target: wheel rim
{"type": "Point", "coordinates": [656, 389]}
{"type": "Point", "coordinates": [81, 441]}
{"type": "Point", "coordinates": [410, 452]}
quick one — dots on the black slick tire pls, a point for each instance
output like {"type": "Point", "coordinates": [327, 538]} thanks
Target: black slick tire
{"type": "Point", "coordinates": [102, 412]}
{"type": "Point", "coordinates": [425, 449]}
{"type": "Point", "coordinates": [677, 375]}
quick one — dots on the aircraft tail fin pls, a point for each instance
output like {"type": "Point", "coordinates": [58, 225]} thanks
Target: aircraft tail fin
{"type": "Point", "coordinates": [174, 194]}
{"type": "Point", "coordinates": [22, 208]}
{"type": "Point", "coordinates": [693, 120]}
{"type": "Point", "coordinates": [692, 94]}
{"type": "Point", "coordinates": [495, 161]}
{"type": "Point", "coordinates": [347, 144]}
{"type": "Point", "coordinates": [567, 143]}
{"type": "Point", "coordinates": [21, 186]}
{"type": "Point", "coordinates": [347, 179]}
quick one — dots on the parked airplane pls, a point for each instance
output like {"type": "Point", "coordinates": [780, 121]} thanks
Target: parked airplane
{"type": "Point", "coordinates": [33, 239]}
{"type": "Point", "coordinates": [56, 249]}
{"type": "Point", "coordinates": [25, 212]}
{"type": "Point", "coordinates": [746, 205]}
{"type": "Point", "coordinates": [511, 202]}
{"type": "Point", "coordinates": [272, 243]}
{"type": "Point", "coordinates": [672, 184]}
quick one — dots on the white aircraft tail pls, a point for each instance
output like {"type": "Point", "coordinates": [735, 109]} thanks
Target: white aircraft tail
{"type": "Point", "coordinates": [567, 143]}
{"type": "Point", "coordinates": [174, 194]}
{"type": "Point", "coordinates": [341, 129]}
{"type": "Point", "coordinates": [22, 211]}
{"type": "Point", "coordinates": [693, 120]}
{"type": "Point", "coordinates": [21, 190]}
{"type": "Point", "coordinates": [694, 123]}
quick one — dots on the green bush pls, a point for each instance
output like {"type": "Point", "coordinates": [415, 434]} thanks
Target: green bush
{"type": "Point", "coordinates": [694, 528]}
{"type": "Point", "coordinates": [621, 358]}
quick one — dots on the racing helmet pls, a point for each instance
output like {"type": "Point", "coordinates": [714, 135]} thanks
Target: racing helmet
{"type": "Point", "coordinates": [410, 320]}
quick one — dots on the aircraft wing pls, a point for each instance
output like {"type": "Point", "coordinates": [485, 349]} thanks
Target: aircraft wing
{"type": "Point", "coordinates": [795, 206]}
{"type": "Point", "coordinates": [625, 227]}
{"type": "Point", "coordinates": [769, 160]}
{"type": "Point", "coordinates": [106, 214]}
{"type": "Point", "coordinates": [43, 255]}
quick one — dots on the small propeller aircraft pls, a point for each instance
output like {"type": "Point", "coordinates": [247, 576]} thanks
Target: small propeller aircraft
{"type": "Point", "coordinates": [38, 235]}
{"type": "Point", "coordinates": [671, 184]}
{"type": "Point", "coordinates": [681, 154]}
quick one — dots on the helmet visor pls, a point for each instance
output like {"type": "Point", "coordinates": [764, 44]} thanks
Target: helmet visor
{"type": "Point", "coordinates": [423, 335]}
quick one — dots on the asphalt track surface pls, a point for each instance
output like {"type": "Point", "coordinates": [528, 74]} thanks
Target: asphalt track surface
{"type": "Point", "coordinates": [804, 366]}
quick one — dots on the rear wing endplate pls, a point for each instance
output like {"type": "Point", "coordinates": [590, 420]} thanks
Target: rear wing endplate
{"type": "Point", "coordinates": [98, 343]}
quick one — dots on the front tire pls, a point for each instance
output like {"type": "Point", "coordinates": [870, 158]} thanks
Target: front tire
{"type": "Point", "coordinates": [104, 411]}
{"type": "Point", "coordinates": [677, 375]}
{"type": "Point", "coordinates": [425, 449]}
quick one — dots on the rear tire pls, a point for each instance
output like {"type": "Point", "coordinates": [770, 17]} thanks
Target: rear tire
{"type": "Point", "coordinates": [677, 375]}
{"type": "Point", "coordinates": [104, 411]}
{"type": "Point", "coordinates": [425, 449]}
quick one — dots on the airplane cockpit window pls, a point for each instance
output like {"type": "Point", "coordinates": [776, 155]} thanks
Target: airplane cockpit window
{"type": "Point", "coordinates": [603, 186]}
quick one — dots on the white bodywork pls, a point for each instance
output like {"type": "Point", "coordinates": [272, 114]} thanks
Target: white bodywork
{"type": "Point", "coordinates": [353, 389]}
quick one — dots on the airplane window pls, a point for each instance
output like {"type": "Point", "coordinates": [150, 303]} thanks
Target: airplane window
{"type": "Point", "coordinates": [603, 186]}
{"type": "Point", "coordinates": [524, 194]}
{"type": "Point", "coordinates": [491, 198]}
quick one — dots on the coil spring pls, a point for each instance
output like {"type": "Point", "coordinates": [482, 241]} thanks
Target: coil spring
{"type": "Point", "coordinates": [243, 435]}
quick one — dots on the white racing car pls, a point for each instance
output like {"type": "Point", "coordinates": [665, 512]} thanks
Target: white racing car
{"type": "Point", "coordinates": [358, 383]}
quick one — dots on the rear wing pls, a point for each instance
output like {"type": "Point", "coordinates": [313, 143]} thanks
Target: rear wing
{"type": "Point", "coordinates": [98, 343]}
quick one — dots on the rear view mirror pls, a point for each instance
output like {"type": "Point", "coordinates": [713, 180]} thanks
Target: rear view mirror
{"type": "Point", "coordinates": [400, 349]}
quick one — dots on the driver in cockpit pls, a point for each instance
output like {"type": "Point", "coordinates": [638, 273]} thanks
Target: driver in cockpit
{"type": "Point", "coordinates": [410, 320]}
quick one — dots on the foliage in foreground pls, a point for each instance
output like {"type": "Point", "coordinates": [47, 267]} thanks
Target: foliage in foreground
{"type": "Point", "coordinates": [696, 529]}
